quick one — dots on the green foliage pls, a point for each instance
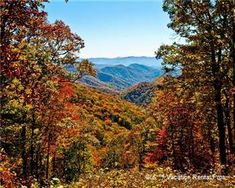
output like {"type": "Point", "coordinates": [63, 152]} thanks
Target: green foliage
{"type": "Point", "coordinates": [85, 67]}
{"type": "Point", "coordinates": [55, 183]}
{"type": "Point", "coordinates": [77, 160]}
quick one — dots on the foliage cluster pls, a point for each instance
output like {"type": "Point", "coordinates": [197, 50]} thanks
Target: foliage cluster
{"type": "Point", "coordinates": [54, 130]}
{"type": "Point", "coordinates": [51, 126]}
{"type": "Point", "coordinates": [195, 110]}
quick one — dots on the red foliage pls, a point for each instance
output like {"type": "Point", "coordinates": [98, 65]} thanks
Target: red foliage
{"type": "Point", "coordinates": [179, 140]}
{"type": "Point", "coordinates": [7, 177]}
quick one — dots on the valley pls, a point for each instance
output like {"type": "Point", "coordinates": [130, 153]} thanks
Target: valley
{"type": "Point", "coordinates": [132, 82]}
{"type": "Point", "coordinates": [124, 94]}
{"type": "Point", "coordinates": [119, 74]}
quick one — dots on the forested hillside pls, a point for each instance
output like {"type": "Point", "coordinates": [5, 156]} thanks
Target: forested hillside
{"type": "Point", "coordinates": [120, 77]}
{"type": "Point", "coordinates": [57, 131]}
{"type": "Point", "coordinates": [129, 75]}
{"type": "Point", "coordinates": [93, 82]}
{"type": "Point", "coordinates": [140, 94]}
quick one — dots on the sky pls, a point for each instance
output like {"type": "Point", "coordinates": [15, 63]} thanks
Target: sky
{"type": "Point", "coordinates": [114, 28]}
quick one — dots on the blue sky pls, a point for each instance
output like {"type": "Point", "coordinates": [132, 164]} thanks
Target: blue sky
{"type": "Point", "coordinates": [114, 28]}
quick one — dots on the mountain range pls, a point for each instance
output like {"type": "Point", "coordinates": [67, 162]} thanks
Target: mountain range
{"type": "Point", "coordinates": [142, 60]}
{"type": "Point", "coordinates": [122, 77]}
{"type": "Point", "coordinates": [118, 74]}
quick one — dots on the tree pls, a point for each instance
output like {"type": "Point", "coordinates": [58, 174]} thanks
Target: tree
{"type": "Point", "coordinates": [207, 27]}
{"type": "Point", "coordinates": [181, 140]}
{"type": "Point", "coordinates": [33, 54]}
{"type": "Point", "coordinates": [77, 159]}
{"type": "Point", "coordinates": [85, 67]}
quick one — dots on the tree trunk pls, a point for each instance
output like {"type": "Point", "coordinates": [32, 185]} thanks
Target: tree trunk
{"type": "Point", "coordinates": [23, 151]}
{"type": "Point", "coordinates": [37, 162]}
{"type": "Point", "coordinates": [220, 124]}
{"type": "Point", "coordinates": [48, 155]}
{"type": "Point", "coordinates": [228, 123]}
{"type": "Point", "coordinates": [54, 164]}
{"type": "Point", "coordinates": [32, 143]}
{"type": "Point", "coordinates": [218, 101]}
{"type": "Point", "coordinates": [233, 121]}
{"type": "Point", "coordinates": [233, 63]}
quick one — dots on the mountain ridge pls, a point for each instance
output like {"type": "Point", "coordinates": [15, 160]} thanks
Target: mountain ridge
{"type": "Point", "coordinates": [145, 60]}
{"type": "Point", "coordinates": [122, 72]}
{"type": "Point", "coordinates": [140, 94]}
{"type": "Point", "coordinates": [129, 75]}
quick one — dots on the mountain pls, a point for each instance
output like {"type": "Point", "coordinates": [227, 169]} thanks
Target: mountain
{"type": "Point", "coordinates": [122, 77]}
{"type": "Point", "coordinates": [106, 112]}
{"type": "Point", "coordinates": [112, 81]}
{"type": "Point", "coordinates": [143, 60]}
{"type": "Point", "coordinates": [140, 94]}
{"type": "Point", "coordinates": [122, 72]}
{"type": "Point", "coordinates": [97, 84]}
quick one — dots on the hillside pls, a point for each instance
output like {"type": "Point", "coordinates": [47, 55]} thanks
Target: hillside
{"type": "Point", "coordinates": [106, 109]}
{"type": "Point", "coordinates": [124, 76]}
{"type": "Point", "coordinates": [112, 81]}
{"type": "Point", "coordinates": [97, 84]}
{"type": "Point", "coordinates": [140, 94]}
{"type": "Point", "coordinates": [119, 77]}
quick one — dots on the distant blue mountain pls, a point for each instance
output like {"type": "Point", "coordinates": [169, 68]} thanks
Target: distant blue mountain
{"type": "Point", "coordinates": [123, 72]}
{"type": "Point", "coordinates": [97, 84]}
{"type": "Point", "coordinates": [113, 81]}
{"type": "Point", "coordinates": [142, 60]}
{"type": "Point", "coordinates": [122, 76]}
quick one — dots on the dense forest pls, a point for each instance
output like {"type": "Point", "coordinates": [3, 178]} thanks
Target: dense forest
{"type": "Point", "coordinates": [57, 132]}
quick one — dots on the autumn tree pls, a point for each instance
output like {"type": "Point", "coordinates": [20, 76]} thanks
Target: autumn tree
{"type": "Point", "coordinates": [33, 54]}
{"type": "Point", "coordinates": [205, 58]}
{"type": "Point", "coordinates": [85, 67]}
{"type": "Point", "coordinates": [182, 137]}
